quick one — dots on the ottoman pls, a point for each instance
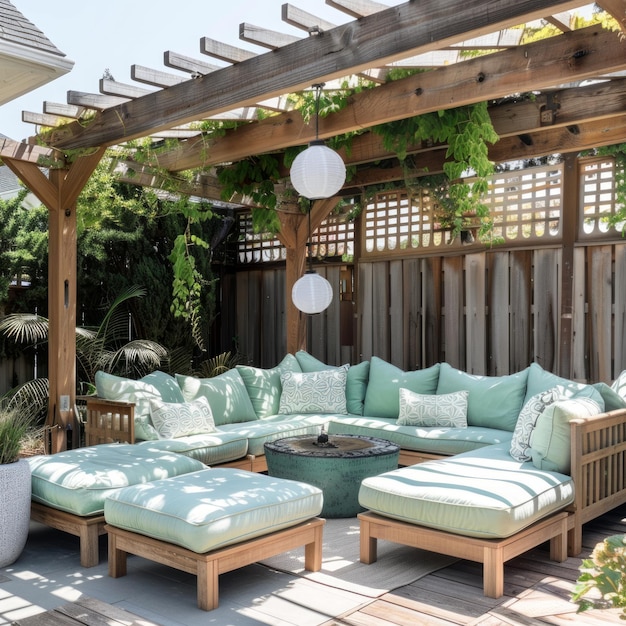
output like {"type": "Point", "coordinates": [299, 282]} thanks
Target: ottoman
{"type": "Point", "coordinates": [69, 488]}
{"type": "Point", "coordinates": [213, 521]}
{"type": "Point", "coordinates": [482, 506]}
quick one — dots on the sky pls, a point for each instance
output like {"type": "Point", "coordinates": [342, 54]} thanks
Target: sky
{"type": "Point", "coordinates": [116, 34]}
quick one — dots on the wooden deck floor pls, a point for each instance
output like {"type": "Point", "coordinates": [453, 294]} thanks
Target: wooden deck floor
{"type": "Point", "coordinates": [536, 591]}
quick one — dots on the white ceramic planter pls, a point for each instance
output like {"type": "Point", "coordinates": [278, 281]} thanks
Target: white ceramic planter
{"type": "Point", "coordinates": [15, 491]}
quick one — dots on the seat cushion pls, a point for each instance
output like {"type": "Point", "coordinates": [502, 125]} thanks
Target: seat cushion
{"type": "Point", "coordinates": [485, 493]}
{"type": "Point", "coordinates": [78, 481]}
{"type": "Point", "coordinates": [260, 431]}
{"type": "Point", "coordinates": [212, 508]}
{"type": "Point", "coordinates": [434, 440]}
{"type": "Point", "coordinates": [209, 448]}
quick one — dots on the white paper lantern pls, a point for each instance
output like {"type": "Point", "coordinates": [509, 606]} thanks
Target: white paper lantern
{"type": "Point", "coordinates": [312, 293]}
{"type": "Point", "coordinates": [318, 172]}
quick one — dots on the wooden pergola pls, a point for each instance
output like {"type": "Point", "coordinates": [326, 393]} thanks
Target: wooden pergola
{"type": "Point", "coordinates": [566, 116]}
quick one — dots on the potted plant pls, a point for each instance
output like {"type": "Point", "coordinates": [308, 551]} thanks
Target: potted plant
{"type": "Point", "coordinates": [15, 485]}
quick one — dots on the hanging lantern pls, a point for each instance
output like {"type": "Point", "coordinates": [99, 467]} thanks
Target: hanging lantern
{"type": "Point", "coordinates": [318, 172]}
{"type": "Point", "coordinates": [312, 293]}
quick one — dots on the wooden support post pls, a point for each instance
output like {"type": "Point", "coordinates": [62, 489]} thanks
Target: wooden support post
{"type": "Point", "coordinates": [569, 225]}
{"type": "Point", "coordinates": [58, 193]}
{"type": "Point", "coordinates": [294, 233]}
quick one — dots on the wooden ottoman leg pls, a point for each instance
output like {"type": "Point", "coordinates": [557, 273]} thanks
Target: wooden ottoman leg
{"type": "Point", "coordinates": [493, 571]}
{"type": "Point", "coordinates": [89, 545]}
{"type": "Point", "coordinates": [208, 584]}
{"type": "Point", "coordinates": [117, 558]}
{"type": "Point", "coordinates": [368, 544]}
{"type": "Point", "coordinates": [313, 551]}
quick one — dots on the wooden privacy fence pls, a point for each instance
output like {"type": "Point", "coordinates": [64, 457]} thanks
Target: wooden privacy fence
{"type": "Point", "coordinates": [553, 291]}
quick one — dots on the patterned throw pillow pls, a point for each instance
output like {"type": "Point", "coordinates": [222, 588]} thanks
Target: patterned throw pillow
{"type": "Point", "coordinates": [313, 392]}
{"type": "Point", "coordinates": [448, 410]}
{"type": "Point", "coordinates": [173, 420]}
{"type": "Point", "coordinates": [520, 442]}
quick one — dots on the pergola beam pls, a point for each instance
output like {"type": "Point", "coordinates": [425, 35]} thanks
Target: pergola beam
{"type": "Point", "coordinates": [569, 57]}
{"type": "Point", "coordinates": [387, 36]}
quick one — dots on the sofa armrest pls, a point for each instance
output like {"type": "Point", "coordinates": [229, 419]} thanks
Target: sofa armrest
{"type": "Point", "coordinates": [109, 421]}
{"type": "Point", "coordinates": [598, 458]}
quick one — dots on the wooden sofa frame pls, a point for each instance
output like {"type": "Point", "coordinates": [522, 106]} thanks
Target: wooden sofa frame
{"type": "Point", "coordinates": [598, 468]}
{"type": "Point", "coordinates": [208, 566]}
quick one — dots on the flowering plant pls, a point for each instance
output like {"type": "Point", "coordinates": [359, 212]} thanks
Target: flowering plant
{"type": "Point", "coordinates": [603, 575]}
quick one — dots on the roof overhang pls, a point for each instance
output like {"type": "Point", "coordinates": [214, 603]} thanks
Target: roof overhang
{"type": "Point", "coordinates": [23, 69]}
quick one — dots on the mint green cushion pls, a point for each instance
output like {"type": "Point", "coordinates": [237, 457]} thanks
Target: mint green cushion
{"type": "Point", "coordinates": [550, 441]}
{"type": "Point", "coordinates": [494, 401]}
{"type": "Point", "coordinates": [213, 508]}
{"type": "Point", "coordinates": [263, 385]}
{"type": "Point", "coordinates": [434, 440]}
{"type": "Point", "coordinates": [275, 427]}
{"type": "Point", "coordinates": [382, 398]}
{"type": "Point", "coordinates": [155, 386]}
{"type": "Point", "coordinates": [612, 400]}
{"type": "Point", "coordinates": [209, 448]}
{"type": "Point", "coordinates": [542, 380]}
{"type": "Point", "coordinates": [226, 393]}
{"type": "Point", "coordinates": [356, 384]}
{"type": "Point", "coordinates": [308, 363]}
{"type": "Point", "coordinates": [485, 493]}
{"type": "Point", "coordinates": [78, 481]}
{"type": "Point", "coordinates": [356, 387]}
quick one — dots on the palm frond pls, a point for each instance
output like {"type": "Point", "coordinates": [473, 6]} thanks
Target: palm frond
{"type": "Point", "coordinates": [28, 328]}
{"type": "Point", "coordinates": [29, 398]}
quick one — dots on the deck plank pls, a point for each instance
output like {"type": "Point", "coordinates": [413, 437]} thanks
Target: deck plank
{"type": "Point", "coordinates": [537, 592]}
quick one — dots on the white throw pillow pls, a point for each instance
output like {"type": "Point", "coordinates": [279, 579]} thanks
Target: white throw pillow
{"type": "Point", "coordinates": [172, 420]}
{"type": "Point", "coordinates": [448, 410]}
{"type": "Point", "coordinates": [536, 405]}
{"type": "Point", "coordinates": [313, 392]}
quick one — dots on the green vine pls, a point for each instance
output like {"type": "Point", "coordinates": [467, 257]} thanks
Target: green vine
{"type": "Point", "coordinates": [188, 281]}
{"type": "Point", "coordinates": [466, 130]}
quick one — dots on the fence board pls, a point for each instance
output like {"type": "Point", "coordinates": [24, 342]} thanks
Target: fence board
{"type": "Point", "coordinates": [364, 299]}
{"type": "Point", "coordinates": [499, 331]}
{"type": "Point", "coordinates": [431, 307]}
{"type": "Point", "coordinates": [521, 316]}
{"type": "Point", "coordinates": [453, 327]}
{"type": "Point", "coordinates": [619, 312]}
{"type": "Point", "coordinates": [579, 364]}
{"type": "Point", "coordinates": [380, 310]}
{"type": "Point", "coordinates": [599, 304]}
{"type": "Point", "coordinates": [475, 313]}
{"type": "Point", "coordinates": [546, 307]}
{"type": "Point", "coordinates": [412, 305]}
{"type": "Point", "coordinates": [396, 310]}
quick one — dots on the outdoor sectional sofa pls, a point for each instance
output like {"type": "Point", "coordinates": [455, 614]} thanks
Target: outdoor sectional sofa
{"type": "Point", "coordinates": [568, 435]}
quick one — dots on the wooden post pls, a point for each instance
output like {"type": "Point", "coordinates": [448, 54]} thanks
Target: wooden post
{"type": "Point", "coordinates": [59, 193]}
{"type": "Point", "coordinates": [569, 221]}
{"type": "Point", "coordinates": [294, 233]}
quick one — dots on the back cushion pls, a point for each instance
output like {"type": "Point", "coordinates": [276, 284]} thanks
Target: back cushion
{"type": "Point", "coordinates": [382, 398]}
{"type": "Point", "coordinates": [550, 441]}
{"type": "Point", "coordinates": [264, 386]}
{"type": "Point", "coordinates": [356, 383]}
{"type": "Point", "coordinates": [493, 402]}
{"type": "Point", "coordinates": [542, 380]}
{"type": "Point", "coordinates": [155, 386]}
{"type": "Point", "coordinates": [226, 394]}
